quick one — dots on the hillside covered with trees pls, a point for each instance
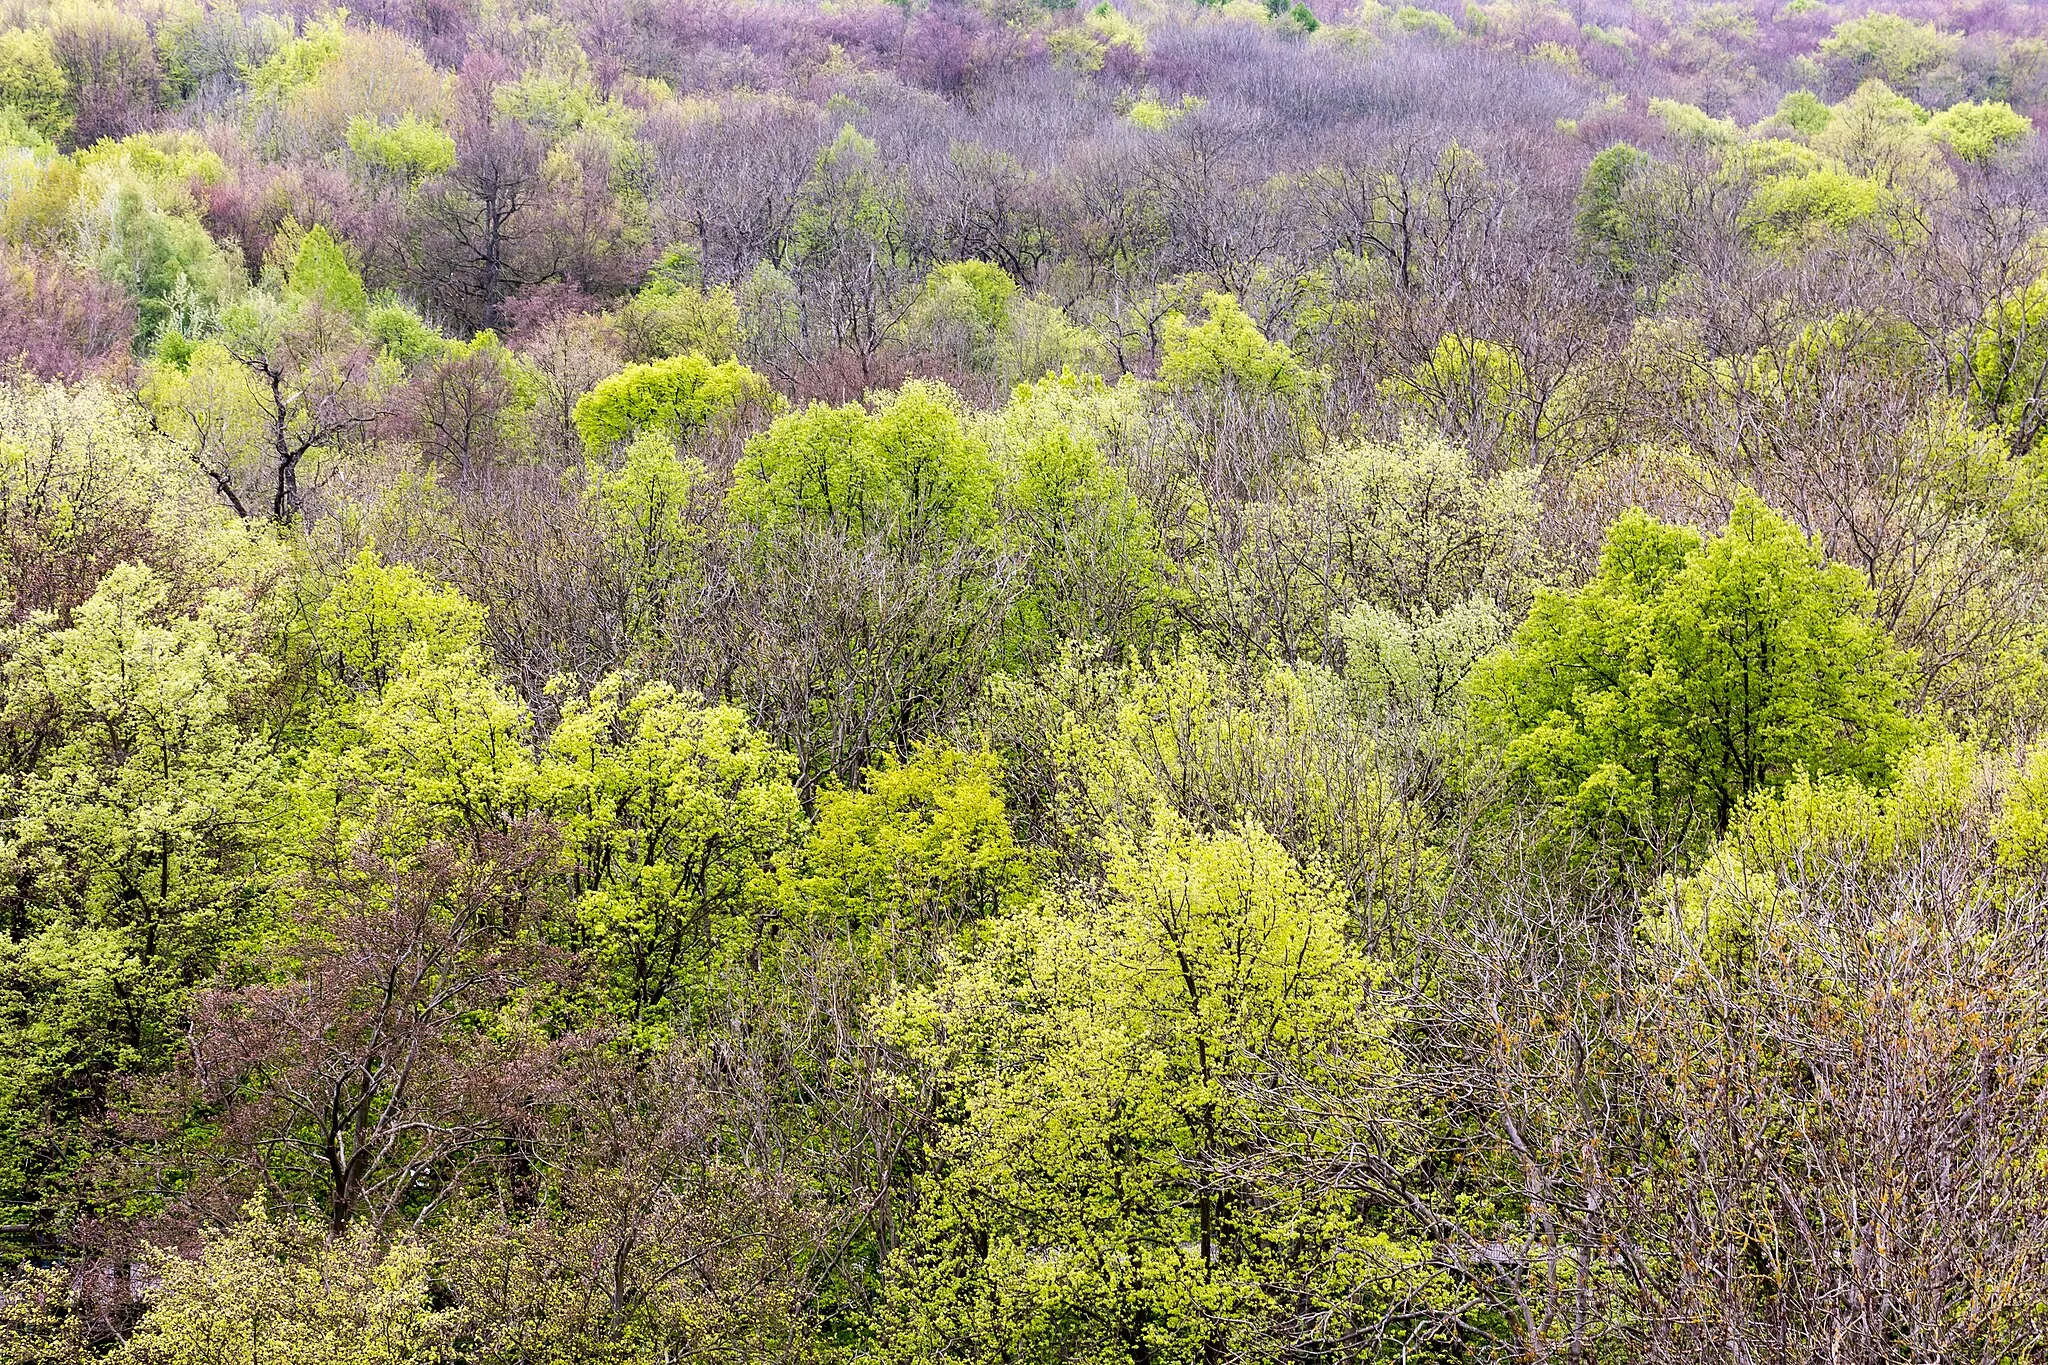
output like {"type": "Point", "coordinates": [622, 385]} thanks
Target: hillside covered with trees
{"type": "Point", "coordinates": [976, 682]}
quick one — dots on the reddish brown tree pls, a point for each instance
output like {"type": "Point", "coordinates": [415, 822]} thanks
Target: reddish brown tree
{"type": "Point", "coordinates": [372, 1067]}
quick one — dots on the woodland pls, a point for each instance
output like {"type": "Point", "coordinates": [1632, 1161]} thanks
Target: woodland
{"type": "Point", "coordinates": [995, 682]}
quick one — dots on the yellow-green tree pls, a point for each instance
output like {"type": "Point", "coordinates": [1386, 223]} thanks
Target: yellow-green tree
{"type": "Point", "coordinates": [1104, 1051]}
{"type": "Point", "coordinates": [283, 1292]}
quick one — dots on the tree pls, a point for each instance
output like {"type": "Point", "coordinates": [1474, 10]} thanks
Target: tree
{"type": "Point", "coordinates": [2008, 363]}
{"type": "Point", "coordinates": [848, 254]}
{"type": "Point", "coordinates": [922, 852]}
{"type": "Point", "coordinates": [477, 213]}
{"type": "Point", "coordinates": [1890, 47]}
{"type": "Point", "coordinates": [1977, 132]}
{"type": "Point", "coordinates": [377, 622]}
{"type": "Point", "coordinates": [1105, 1053]}
{"type": "Point", "coordinates": [270, 1291]}
{"type": "Point", "coordinates": [33, 83]}
{"type": "Point", "coordinates": [59, 323]}
{"type": "Point", "coordinates": [652, 1239]}
{"type": "Point", "coordinates": [1692, 673]}
{"type": "Point", "coordinates": [320, 273]}
{"type": "Point", "coordinates": [1794, 210]}
{"type": "Point", "coordinates": [289, 384]}
{"type": "Point", "coordinates": [1093, 561]}
{"type": "Point", "coordinates": [112, 68]}
{"type": "Point", "coordinates": [1409, 528]}
{"type": "Point", "coordinates": [906, 473]}
{"type": "Point", "coordinates": [1612, 221]}
{"type": "Point", "coordinates": [870, 586]}
{"type": "Point", "coordinates": [464, 407]}
{"type": "Point", "coordinates": [362, 1078]}
{"type": "Point", "coordinates": [135, 836]}
{"type": "Point", "coordinates": [673, 398]}
{"type": "Point", "coordinates": [439, 746]}
{"type": "Point", "coordinates": [673, 816]}
{"type": "Point", "coordinates": [1814, 1101]}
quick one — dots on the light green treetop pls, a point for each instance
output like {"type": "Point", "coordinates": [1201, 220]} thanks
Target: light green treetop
{"type": "Point", "coordinates": [268, 1292]}
{"type": "Point", "coordinates": [1228, 348]}
{"type": "Point", "coordinates": [1977, 132]}
{"type": "Point", "coordinates": [675, 396]}
{"type": "Point", "coordinates": [906, 470]}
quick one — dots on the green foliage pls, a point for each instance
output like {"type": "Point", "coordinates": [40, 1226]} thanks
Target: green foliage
{"type": "Point", "coordinates": [1407, 526]}
{"type": "Point", "coordinates": [1477, 389]}
{"type": "Point", "coordinates": [167, 162]}
{"type": "Point", "coordinates": [1890, 47]}
{"type": "Point", "coordinates": [320, 271]}
{"type": "Point", "coordinates": [1226, 350]}
{"type": "Point", "coordinates": [987, 289]}
{"type": "Point", "coordinates": [1417, 664]}
{"type": "Point", "coordinates": [850, 199]}
{"type": "Point", "coordinates": [1880, 134]}
{"type": "Point", "coordinates": [1124, 860]}
{"type": "Point", "coordinates": [137, 795]}
{"type": "Point", "coordinates": [1690, 123]}
{"type": "Point", "coordinates": [1977, 132]}
{"type": "Point", "coordinates": [1192, 738]}
{"type": "Point", "coordinates": [32, 83]}
{"type": "Point", "coordinates": [406, 151]}
{"type": "Point", "coordinates": [136, 225]}
{"type": "Point", "coordinates": [271, 1292]}
{"type": "Point", "coordinates": [1425, 23]}
{"type": "Point", "coordinates": [905, 471]}
{"type": "Point", "coordinates": [1736, 893]}
{"type": "Point", "coordinates": [2009, 351]}
{"type": "Point", "coordinates": [17, 132]}
{"type": "Point", "coordinates": [1804, 113]}
{"type": "Point", "coordinates": [1084, 47]}
{"type": "Point", "coordinates": [298, 61]}
{"type": "Point", "coordinates": [1426, 530]}
{"type": "Point", "coordinates": [401, 333]}
{"type": "Point", "coordinates": [1154, 117]}
{"type": "Point", "coordinates": [674, 815]}
{"type": "Point", "coordinates": [1100, 1045]}
{"type": "Point", "coordinates": [214, 47]}
{"type": "Point", "coordinates": [379, 619]}
{"type": "Point", "coordinates": [921, 851]}
{"type": "Point", "coordinates": [1092, 553]}
{"type": "Point", "coordinates": [40, 1323]}
{"type": "Point", "coordinates": [644, 507]}
{"type": "Point", "coordinates": [674, 397]}
{"type": "Point", "coordinates": [964, 310]}
{"type": "Point", "coordinates": [144, 815]}
{"type": "Point", "coordinates": [670, 317]}
{"type": "Point", "coordinates": [2023, 825]}
{"type": "Point", "coordinates": [559, 97]}
{"type": "Point", "coordinates": [1041, 341]}
{"type": "Point", "coordinates": [1788, 211]}
{"type": "Point", "coordinates": [1691, 674]}
{"type": "Point", "coordinates": [1606, 225]}
{"type": "Point", "coordinates": [440, 747]}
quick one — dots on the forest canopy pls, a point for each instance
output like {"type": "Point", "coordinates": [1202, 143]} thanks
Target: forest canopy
{"type": "Point", "coordinates": [1010, 682]}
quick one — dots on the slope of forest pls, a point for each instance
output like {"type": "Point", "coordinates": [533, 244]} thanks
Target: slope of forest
{"type": "Point", "coordinates": [992, 683]}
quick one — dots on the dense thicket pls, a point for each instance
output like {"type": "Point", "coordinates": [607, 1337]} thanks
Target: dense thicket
{"type": "Point", "coordinates": [984, 682]}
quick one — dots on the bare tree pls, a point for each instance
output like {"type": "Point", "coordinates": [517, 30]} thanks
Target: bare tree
{"type": "Point", "coordinates": [477, 216]}
{"type": "Point", "coordinates": [358, 1081]}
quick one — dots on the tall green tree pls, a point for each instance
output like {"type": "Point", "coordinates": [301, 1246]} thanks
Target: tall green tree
{"type": "Point", "coordinates": [1693, 671]}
